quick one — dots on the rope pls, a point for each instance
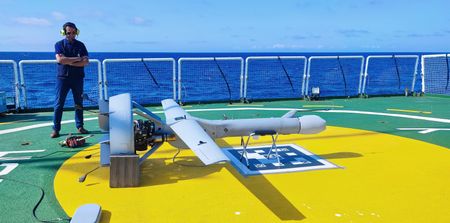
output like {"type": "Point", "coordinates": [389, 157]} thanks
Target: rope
{"type": "Point", "coordinates": [285, 72]}
{"type": "Point", "coordinates": [446, 60]}
{"type": "Point", "coordinates": [396, 69]}
{"type": "Point", "coordinates": [224, 78]}
{"type": "Point", "coordinates": [149, 72]}
{"type": "Point", "coordinates": [343, 74]}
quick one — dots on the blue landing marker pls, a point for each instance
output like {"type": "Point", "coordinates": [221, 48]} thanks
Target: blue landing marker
{"type": "Point", "coordinates": [293, 158]}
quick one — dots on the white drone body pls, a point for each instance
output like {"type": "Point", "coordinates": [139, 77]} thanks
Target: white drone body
{"type": "Point", "coordinates": [182, 130]}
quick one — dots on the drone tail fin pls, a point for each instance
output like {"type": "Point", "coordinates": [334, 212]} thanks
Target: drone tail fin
{"type": "Point", "coordinates": [290, 114]}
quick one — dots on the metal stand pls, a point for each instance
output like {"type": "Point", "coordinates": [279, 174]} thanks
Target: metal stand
{"type": "Point", "coordinates": [274, 146]}
{"type": "Point", "coordinates": [244, 153]}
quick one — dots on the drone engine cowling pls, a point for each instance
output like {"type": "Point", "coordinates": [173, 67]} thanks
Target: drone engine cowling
{"type": "Point", "coordinates": [311, 124]}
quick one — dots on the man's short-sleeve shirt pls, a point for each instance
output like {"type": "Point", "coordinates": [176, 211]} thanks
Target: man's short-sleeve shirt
{"type": "Point", "coordinates": [74, 49]}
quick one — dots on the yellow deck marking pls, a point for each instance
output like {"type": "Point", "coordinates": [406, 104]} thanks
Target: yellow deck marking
{"type": "Point", "coordinates": [322, 106]}
{"type": "Point", "coordinates": [411, 111]}
{"type": "Point", "coordinates": [385, 178]}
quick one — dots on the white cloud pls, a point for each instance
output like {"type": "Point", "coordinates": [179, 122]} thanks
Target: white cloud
{"type": "Point", "coordinates": [279, 46]}
{"type": "Point", "coordinates": [33, 21]}
{"type": "Point", "coordinates": [372, 46]}
{"type": "Point", "coordinates": [284, 46]}
{"type": "Point", "coordinates": [58, 16]}
{"type": "Point", "coordinates": [140, 21]}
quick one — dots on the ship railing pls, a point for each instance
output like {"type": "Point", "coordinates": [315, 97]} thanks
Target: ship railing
{"type": "Point", "coordinates": [390, 75]}
{"type": "Point", "coordinates": [274, 77]}
{"type": "Point", "coordinates": [35, 78]}
{"type": "Point", "coordinates": [435, 74]}
{"type": "Point", "coordinates": [10, 76]}
{"type": "Point", "coordinates": [199, 74]}
{"type": "Point", "coordinates": [334, 76]}
{"type": "Point", "coordinates": [149, 80]}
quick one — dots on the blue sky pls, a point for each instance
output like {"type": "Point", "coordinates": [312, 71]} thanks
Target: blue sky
{"type": "Point", "coordinates": [230, 25]}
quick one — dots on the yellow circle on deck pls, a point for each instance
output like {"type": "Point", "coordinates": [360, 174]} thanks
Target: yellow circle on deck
{"type": "Point", "coordinates": [384, 178]}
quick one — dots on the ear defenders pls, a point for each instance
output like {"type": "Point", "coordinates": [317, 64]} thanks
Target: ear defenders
{"type": "Point", "coordinates": [69, 24]}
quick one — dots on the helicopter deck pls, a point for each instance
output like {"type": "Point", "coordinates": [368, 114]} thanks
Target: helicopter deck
{"type": "Point", "coordinates": [390, 158]}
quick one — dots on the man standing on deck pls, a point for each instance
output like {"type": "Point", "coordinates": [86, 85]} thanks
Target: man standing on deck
{"type": "Point", "coordinates": [71, 56]}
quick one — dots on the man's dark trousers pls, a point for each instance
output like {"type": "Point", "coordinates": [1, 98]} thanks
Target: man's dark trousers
{"type": "Point", "coordinates": [62, 89]}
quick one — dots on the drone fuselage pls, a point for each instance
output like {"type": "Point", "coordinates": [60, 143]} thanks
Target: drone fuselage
{"type": "Point", "coordinates": [309, 124]}
{"type": "Point", "coordinates": [245, 127]}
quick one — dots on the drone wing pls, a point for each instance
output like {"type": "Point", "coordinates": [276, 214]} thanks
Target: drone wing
{"type": "Point", "coordinates": [192, 134]}
{"type": "Point", "coordinates": [173, 111]}
{"type": "Point", "coordinates": [198, 141]}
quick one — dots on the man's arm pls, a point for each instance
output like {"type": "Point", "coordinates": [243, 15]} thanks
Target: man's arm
{"type": "Point", "coordinates": [83, 62]}
{"type": "Point", "coordinates": [67, 60]}
{"type": "Point", "coordinates": [72, 61]}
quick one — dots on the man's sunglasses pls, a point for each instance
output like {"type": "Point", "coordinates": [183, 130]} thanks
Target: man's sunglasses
{"type": "Point", "coordinates": [68, 33]}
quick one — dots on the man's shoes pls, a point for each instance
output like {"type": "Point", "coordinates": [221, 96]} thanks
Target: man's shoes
{"type": "Point", "coordinates": [54, 134]}
{"type": "Point", "coordinates": [83, 130]}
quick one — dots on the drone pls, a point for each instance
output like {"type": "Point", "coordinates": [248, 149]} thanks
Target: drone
{"type": "Point", "coordinates": [126, 136]}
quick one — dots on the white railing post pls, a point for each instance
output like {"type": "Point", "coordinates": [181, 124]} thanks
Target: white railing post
{"type": "Point", "coordinates": [241, 86]}
{"type": "Point", "coordinates": [105, 80]}
{"type": "Point", "coordinates": [179, 80]}
{"type": "Point", "coordinates": [422, 72]}
{"type": "Point", "coordinates": [308, 75]}
{"type": "Point", "coordinates": [246, 78]}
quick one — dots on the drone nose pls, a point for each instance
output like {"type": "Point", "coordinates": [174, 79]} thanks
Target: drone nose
{"type": "Point", "coordinates": [311, 124]}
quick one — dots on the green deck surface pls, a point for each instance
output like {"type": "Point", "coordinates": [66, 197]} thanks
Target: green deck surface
{"type": "Point", "coordinates": [20, 189]}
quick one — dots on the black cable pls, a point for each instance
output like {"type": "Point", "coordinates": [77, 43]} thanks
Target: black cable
{"type": "Point", "coordinates": [149, 72]}
{"type": "Point", "coordinates": [180, 164]}
{"type": "Point", "coordinates": [446, 60]}
{"type": "Point", "coordinates": [39, 202]}
{"type": "Point", "coordinates": [224, 78]}
{"type": "Point", "coordinates": [287, 74]}
{"type": "Point", "coordinates": [343, 74]}
{"type": "Point", "coordinates": [82, 178]}
{"type": "Point", "coordinates": [396, 69]}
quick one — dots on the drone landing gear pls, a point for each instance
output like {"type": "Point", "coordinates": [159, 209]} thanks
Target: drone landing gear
{"type": "Point", "coordinates": [274, 147]}
{"type": "Point", "coordinates": [274, 135]}
{"type": "Point", "coordinates": [244, 146]}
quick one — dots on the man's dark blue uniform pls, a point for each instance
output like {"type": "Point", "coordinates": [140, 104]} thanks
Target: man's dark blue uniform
{"type": "Point", "coordinates": [69, 77]}
{"type": "Point", "coordinates": [74, 49]}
